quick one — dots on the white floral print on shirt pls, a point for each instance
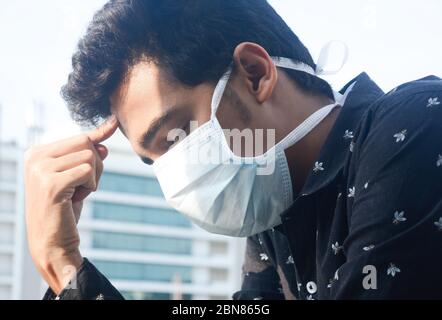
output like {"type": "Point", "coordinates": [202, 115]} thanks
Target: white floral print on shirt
{"type": "Point", "coordinates": [336, 248]}
{"type": "Point", "coordinates": [351, 192]}
{"type": "Point", "coordinates": [433, 102]}
{"type": "Point", "coordinates": [319, 166]}
{"type": "Point", "coordinates": [392, 270]}
{"type": "Point", "coordinates": [400, 136]}
{"type": "Point", "coordinates": [348, 134]}
{"type": "Point", "coordinates": [399, 217]}
{"type": "Point", "coordinates": [264, 257]}
{"type": "Point", "coordinates": [368, 248]}
{"type": "Point", "coordinates": [290, 260]}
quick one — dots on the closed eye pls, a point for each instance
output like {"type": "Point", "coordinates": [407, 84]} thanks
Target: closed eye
{"type": "Point", "coordinates": [183, 132]}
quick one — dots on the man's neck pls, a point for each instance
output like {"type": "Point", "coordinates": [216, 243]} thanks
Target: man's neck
{"type": "Point", "coordinates": [302, 156]}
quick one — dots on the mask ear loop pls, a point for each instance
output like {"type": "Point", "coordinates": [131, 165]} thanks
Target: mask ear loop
{"type": "Point", "coordinates": [222, 83]}
{"type": "Point", "coordinates": [219, 92]}
{"type": "Point", "coordinates": [294, 65]}
{"type": "Point", "coordinates": [324, 55]}
{"type": "Point", "coordinates": [320, 65]}
{"type": "Point", "coordinates": [284, 63]}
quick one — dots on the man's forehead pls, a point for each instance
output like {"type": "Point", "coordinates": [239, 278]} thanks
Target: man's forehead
{"type": "Point", "coordinates": [142, 91]}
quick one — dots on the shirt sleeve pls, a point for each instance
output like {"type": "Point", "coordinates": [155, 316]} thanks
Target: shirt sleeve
{"type": "Point", "coordinates": [89, 284]}
{"type": "Point", "coordinates": [394, 202]}
{"type": "Point", "coordinates": [261, 281]}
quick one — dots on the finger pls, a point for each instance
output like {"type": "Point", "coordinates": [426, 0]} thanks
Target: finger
{"type": "Point", "coordinates": [78, 143]}
{"type": "Point", "coordinates": [67, 146]}
{"type": "Point", "coordinates": [80, 176]}
{"type": "Point", "coordinates": [84, 157]}
{"type": "Point", "coordinates": [105, 131]}
{"type": "Point", "coordinates": [73, 160]}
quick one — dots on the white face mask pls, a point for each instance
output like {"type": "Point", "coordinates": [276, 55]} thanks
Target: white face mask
{"type": "Point", "coordinates": [223, 193]}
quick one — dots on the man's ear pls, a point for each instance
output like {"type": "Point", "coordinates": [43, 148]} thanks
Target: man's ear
{"type": "Point", "coordinates": [254, 64]}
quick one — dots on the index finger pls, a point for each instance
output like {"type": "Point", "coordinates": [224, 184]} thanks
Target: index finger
{"type": "Point", "coordinates": [105, 131]}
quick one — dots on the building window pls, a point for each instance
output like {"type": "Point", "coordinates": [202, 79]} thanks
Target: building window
{"type": "Point", "coordinates": [218, 248]}
{"type": "Point", "coordinates": [117, 182]}
{"type": "Point", "coordinates": [8, 171]}
{"type": "Point", "coordinates": [218, 275]}
{"type": "Point", "coordinates": [6, 234]}
{"type": "Point", "coordinates": [142, 243]}
{"type": "Point", "coordinates": [7, 202]}
{"type": "Point", "coordinates": [6, 263]}
{"type": "Point", "coordinates": [144, 272]}
{"type": "Point", "coordinates": [138, 214]}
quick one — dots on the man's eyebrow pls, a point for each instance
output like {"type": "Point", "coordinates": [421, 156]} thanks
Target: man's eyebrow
{"type": "Point", "coordinates": [155, 126]}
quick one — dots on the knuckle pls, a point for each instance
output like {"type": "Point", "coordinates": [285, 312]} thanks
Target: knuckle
{"type": "Point", "coordinates": [87, 168]}
{"type": "Point", "coordinates": [48, 184]}
{"type": "Point", "coordinates": [37, 171]}
{"type": "Point", "coordinates": [84, 140]}
{"type": "Point", "coordinates": [89, 156]}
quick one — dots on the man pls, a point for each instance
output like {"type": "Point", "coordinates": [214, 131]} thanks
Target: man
{"type": "Point", "coordinates": [352, 206]}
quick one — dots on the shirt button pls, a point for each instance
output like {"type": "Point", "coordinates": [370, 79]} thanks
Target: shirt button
{"type": "Point", "coordinates": [312, 287]}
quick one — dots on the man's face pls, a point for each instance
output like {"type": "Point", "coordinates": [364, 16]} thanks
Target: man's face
{"type": "Point", "coordinates": [148, 107]}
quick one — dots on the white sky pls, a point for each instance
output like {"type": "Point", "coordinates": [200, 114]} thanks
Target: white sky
{"type": "Point", "coordinates": [394, 41]}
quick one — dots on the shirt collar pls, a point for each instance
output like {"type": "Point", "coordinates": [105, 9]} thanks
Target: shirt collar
{"type": "Point", "coordinates": [332, 155]}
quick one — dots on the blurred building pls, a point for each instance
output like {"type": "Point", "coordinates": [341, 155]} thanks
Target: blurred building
{"type": "Point", "coordinates": [8, 217]}
{"type": "Point", "coordinates": [12, 274]}
{"type": "Point", "coordinates": [144, 247]}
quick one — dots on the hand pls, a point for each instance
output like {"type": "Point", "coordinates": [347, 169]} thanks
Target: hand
{"type": "Point", "coordinates": [58, 177]}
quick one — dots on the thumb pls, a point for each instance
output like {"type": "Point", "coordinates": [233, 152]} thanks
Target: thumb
{"type": "Point", "coordinates": [102, 151]}
{"type": "Point", "coordinates": [105, 131]}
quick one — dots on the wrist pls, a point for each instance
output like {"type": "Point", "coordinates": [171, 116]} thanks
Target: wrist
{"type": "Point", "coordinates": [59, 268]}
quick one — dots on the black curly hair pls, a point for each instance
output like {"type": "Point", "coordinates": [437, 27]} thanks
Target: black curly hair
{"type": "Point", "coordinates": [192, 41]}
